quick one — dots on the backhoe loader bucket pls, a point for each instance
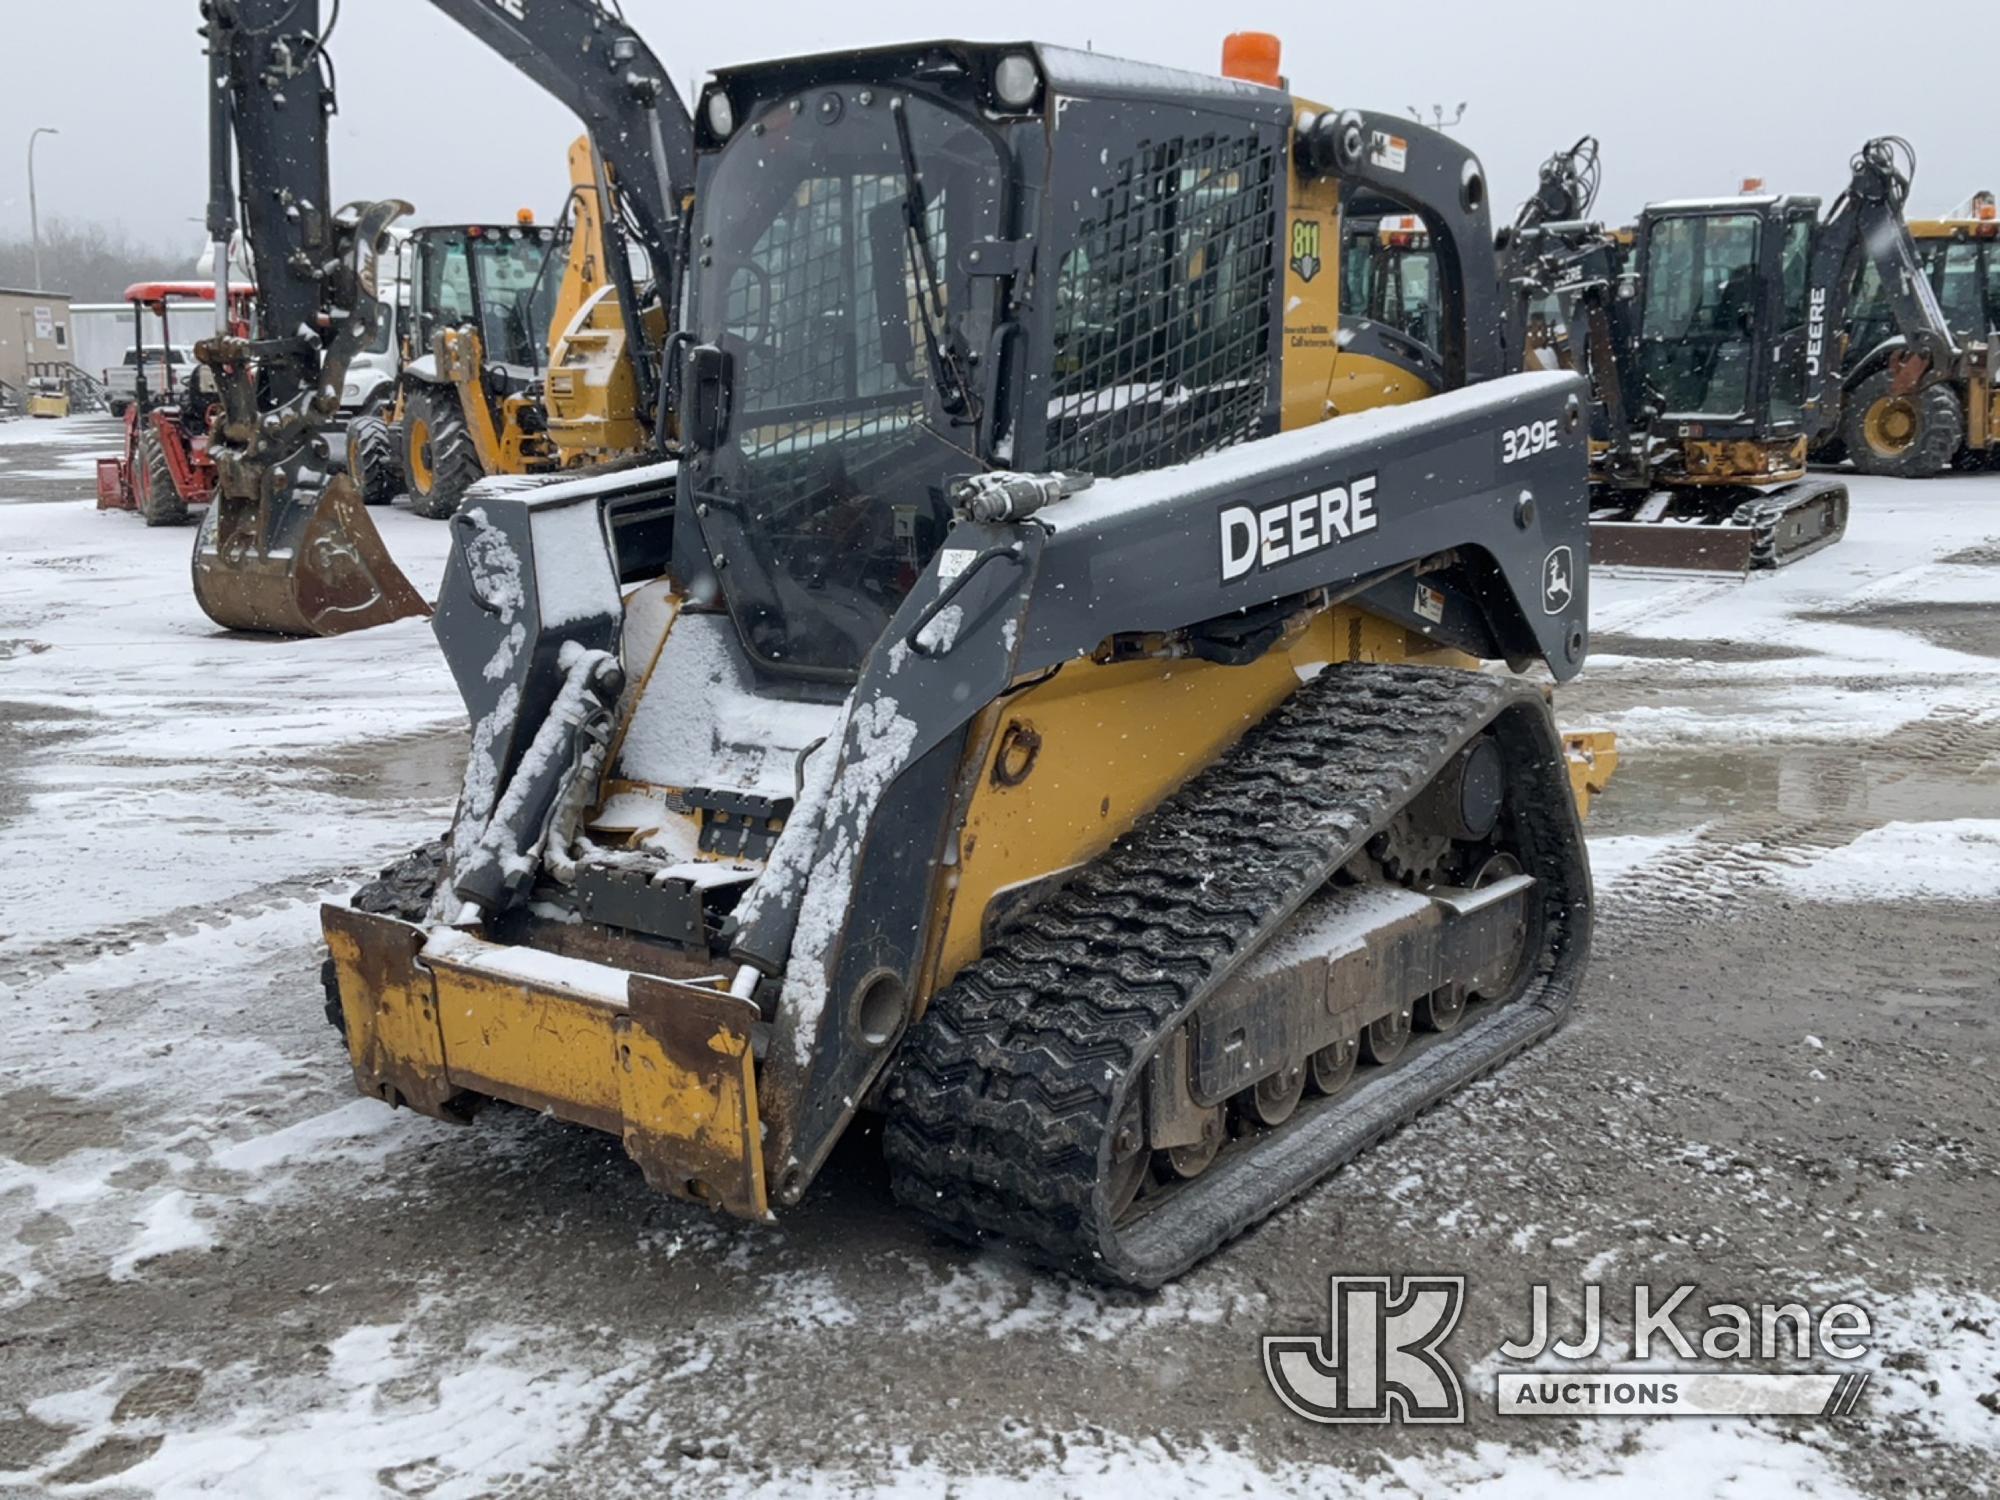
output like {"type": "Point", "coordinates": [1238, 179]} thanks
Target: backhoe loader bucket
{"type": "Point", "coordinates": [299, 566]}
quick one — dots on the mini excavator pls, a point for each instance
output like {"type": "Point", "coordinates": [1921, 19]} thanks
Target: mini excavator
{"type": "Point", "coordinates": [1714, 339]}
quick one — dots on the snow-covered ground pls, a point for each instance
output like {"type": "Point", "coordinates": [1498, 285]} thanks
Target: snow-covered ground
{"type": "Point", "coordinates": [165, 766]}
{"type": "Point", "coordinates": [220, 1273]}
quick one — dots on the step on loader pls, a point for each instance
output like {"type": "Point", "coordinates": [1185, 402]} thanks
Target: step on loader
{"type": "Point", "coordinates": [1039, 707]}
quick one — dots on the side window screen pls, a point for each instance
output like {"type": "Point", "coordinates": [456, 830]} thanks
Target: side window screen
{"type": "Point", "coordinates": [1163, 309]}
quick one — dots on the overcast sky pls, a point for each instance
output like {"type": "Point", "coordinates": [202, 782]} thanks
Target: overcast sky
{"type": "Point", "coordinates": [429, 115]}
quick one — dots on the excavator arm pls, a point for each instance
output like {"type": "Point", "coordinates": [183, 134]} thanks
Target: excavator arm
{"type": "Point", "coordinates": [1553, 249]}
{"type": "Point", "coordinates": [1866, 221]}
{"type": "Point", "coordinates": [586, 56]}
{"type": "Point", "coordinates": [1577, 264]}
{"type": "Point", "coordinates": [287, 547]}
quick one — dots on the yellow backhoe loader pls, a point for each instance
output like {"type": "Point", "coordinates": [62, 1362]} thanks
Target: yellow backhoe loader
{"type": "Point", "coordinates": [508, 368]}
{"type": "Point", "coordinates": [1893, 428]}
{"type": "Point", "coordinates": [1039, 703]}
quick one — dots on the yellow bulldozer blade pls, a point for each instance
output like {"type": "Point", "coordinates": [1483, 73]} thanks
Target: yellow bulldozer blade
{"type": "Point", "coordinates": [299, 567]}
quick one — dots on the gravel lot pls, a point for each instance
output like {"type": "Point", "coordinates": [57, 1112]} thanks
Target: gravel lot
{"type": "Point", "coordinates": [221, 1273]}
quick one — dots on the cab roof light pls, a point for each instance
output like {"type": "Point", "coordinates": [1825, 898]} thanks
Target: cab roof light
{"type": "Point", "coordinates": [1253, 57]}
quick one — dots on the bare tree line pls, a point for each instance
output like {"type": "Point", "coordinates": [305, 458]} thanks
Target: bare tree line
{"type": "Point", "coordinates": [91, 262]}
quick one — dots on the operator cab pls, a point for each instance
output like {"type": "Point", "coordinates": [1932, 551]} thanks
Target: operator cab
{"type": "Point", "coordinates": [904, 273]}
{"type": "Point", "coordinates": [1725, 312]}
{"type": "Point", "coordinates": [1961, 258]}
{"type": "Point", "coordinates": [496, 278]}
{"type": "Point", "coordinates": [1389, 275]}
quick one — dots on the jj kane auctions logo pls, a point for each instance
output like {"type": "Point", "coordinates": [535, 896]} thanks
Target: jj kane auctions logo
{"type": "Point", "coordinates": [1382, 1359]}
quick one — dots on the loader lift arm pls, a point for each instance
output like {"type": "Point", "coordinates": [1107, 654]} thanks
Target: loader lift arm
{"type": "Point", "coordinates": [286, 549]}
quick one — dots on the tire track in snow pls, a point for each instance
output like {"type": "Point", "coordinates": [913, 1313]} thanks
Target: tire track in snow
{"type": "Point", "coordinates": [1739, 854]}
{"type": "Point", "coordinates": [33, 964]}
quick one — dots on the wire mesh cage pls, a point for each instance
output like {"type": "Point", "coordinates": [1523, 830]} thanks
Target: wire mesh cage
{"type": "Point", "coordinates": [1163, 341]}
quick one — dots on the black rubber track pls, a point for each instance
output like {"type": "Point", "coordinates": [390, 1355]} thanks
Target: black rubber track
{"type": "Point", "coordinates": [1005, 1094]}
{"type": "Point", "coordinates": [1795, 520]}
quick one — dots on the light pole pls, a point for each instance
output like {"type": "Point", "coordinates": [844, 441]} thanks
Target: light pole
{"type": "Point", "coordinates": [34, 217]}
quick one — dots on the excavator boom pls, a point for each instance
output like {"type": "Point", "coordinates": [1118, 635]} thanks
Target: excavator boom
{"type": "Point", "coordinates": [287, 547]}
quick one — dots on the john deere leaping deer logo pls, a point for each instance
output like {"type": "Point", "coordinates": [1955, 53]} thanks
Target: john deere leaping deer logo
{"type": "Point", "coordinates": [1305, 248]}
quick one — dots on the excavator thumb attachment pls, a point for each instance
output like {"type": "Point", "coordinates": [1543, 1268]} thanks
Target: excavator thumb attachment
{"type": "Point", "coordinates": [302, 564]}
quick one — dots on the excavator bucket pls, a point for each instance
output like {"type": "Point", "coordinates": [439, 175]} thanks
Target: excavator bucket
{"type": "Point", "coordinates": [299, 566]}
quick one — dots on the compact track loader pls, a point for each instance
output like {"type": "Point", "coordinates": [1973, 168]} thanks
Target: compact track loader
{"type": "Point", "coordinates": [287, 547]}
{"type": "Point", "coordinates": [1039, 705]}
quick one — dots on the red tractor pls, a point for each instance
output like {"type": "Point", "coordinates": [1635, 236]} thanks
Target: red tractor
{"type": "Point", "coordinates": [165, 469]}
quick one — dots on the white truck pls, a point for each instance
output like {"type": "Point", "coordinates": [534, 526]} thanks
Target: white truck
{"type": "Point", "coordinates": [167, 365]}
{"type": "Point", "coordinates": [371, 375]}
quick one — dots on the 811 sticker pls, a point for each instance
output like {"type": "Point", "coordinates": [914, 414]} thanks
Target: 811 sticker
{"type": "Point", "coordinates": [1525, 441]}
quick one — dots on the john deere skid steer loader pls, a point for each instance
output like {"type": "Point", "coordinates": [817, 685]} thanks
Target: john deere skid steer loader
{"type": "Point", "coordinates": [1024, 710]}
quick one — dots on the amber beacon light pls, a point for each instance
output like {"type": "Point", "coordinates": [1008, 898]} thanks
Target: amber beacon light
{"type": "Point", "coordinates": [1253, 57]}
